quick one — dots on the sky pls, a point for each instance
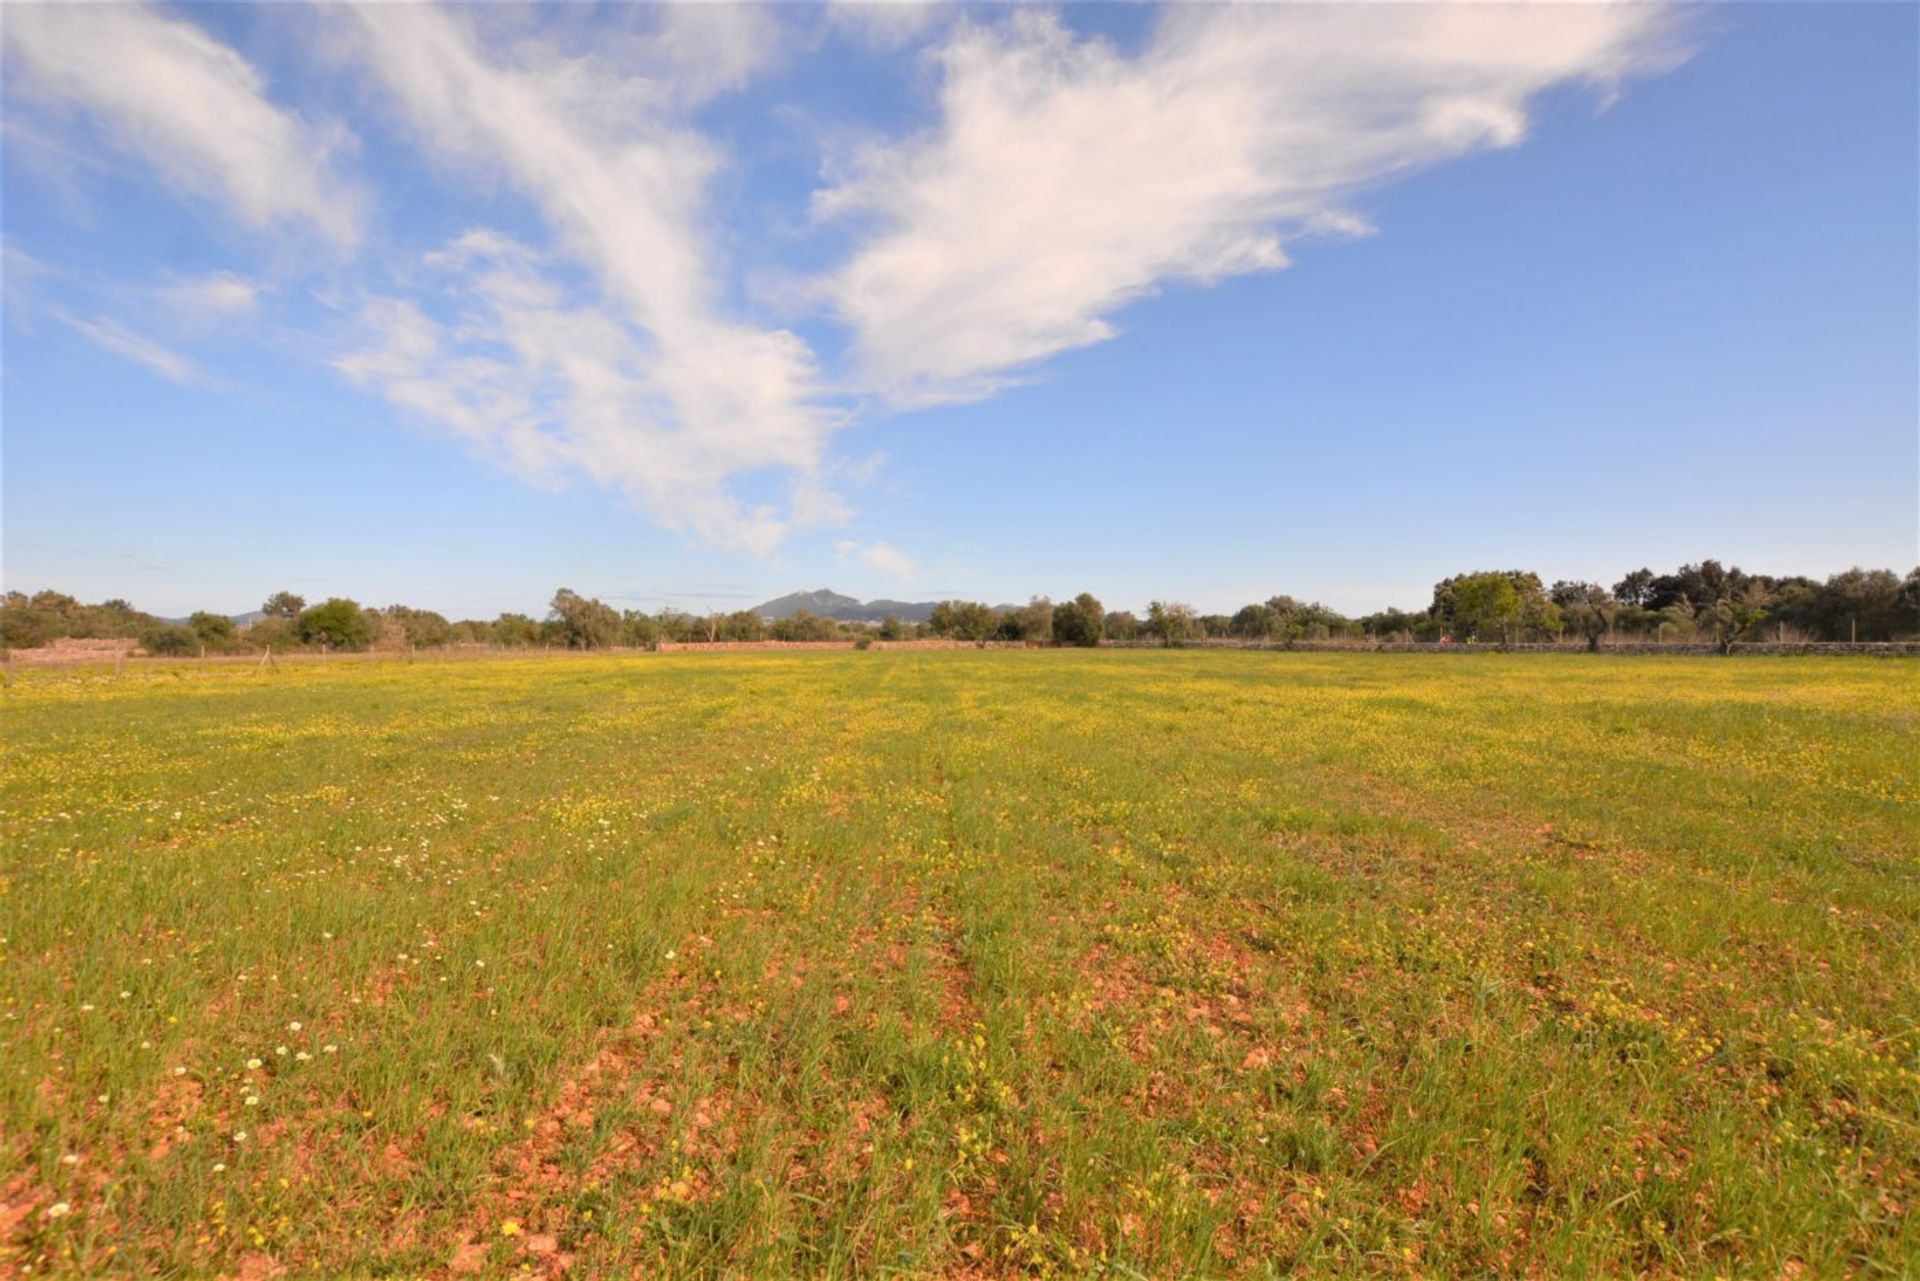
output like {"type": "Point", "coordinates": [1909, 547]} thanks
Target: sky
{"type": "Point", "coordinates": [696, 305]}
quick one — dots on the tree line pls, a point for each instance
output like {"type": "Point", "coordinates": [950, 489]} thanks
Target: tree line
{"type": "Point", "coordinates": [1703, 601]}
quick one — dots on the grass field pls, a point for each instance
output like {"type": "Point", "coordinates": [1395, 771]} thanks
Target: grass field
{"type": "Point", "coordinates": [964, 964]}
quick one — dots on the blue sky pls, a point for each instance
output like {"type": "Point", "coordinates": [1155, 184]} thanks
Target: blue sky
{"type": "Point", "coordinates": [696, 306]}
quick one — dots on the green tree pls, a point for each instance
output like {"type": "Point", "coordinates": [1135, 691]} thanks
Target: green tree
{"type": "Point", "coordinates": [963, 620]}
{"type": "Point", "coordinates": [1035, 621]}
{"type": "Point", "coordinates": [1171, 622]}
{"type": "Point", "coordinates": [1254, 622]}
{"type": "Point", "coordinates": [1540, 617]}
{"type": "Point", "coordinates": [1635, 588]}
{"type": "Point", "coordinates": [1486, 602]}
{"type": "Point", "coordinates": [1907, 612]}
{"type": "Point", "coordinates": [1312, 620]}
{"type": "Point", "coordinates": [283, 605]}
{"type": "Point", "coordinates": [1862, 604]}
{"type": "Point", "coordinates": [516, 631]}
{"type": "Point", "coordinates": [639, 630]}
{"type": "Point", "coordinates": [421, 628]}
{"type": "Point", "coordinates": [1080, 621]}
{"type": "Point", "coordinates": [275, 633]}
{"type": "Point", "coordinates": [215, 631]}
{"type": "Point", "coordinates": [1731, 615]}
{"type": "Point", "coordinates": [1394, 624]}
{"type": "Point", "coordinates": [1587, 607]}
{"type": "Point", "coordinates": [676, 626]}
{"type": "Point", "coordinates": [337, 623]}
{"type": "Point", "coordinates": [585, 623]}
{"type": "Point", "coordinates": [1699, 586]}
{"type": "Point", "coordinates": [743, 625]}
{"type": "Point", "coordinates": [1493, 609]}
{"type": "Point", "coordinates": [803, 626]}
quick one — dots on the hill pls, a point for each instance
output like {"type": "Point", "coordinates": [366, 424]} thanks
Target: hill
{"type": "Point", "coordinates": [827, 603]}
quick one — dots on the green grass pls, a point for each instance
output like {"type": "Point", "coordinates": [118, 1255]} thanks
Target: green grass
{"type": "Point", "coordinates": [966, 964]}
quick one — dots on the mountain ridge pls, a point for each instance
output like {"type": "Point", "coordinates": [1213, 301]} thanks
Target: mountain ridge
{"type": "Point", "coordinates": [827, 603]}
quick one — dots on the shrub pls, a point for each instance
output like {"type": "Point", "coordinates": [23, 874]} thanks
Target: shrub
{"type": "Point", "coordinates": [215, 631]}
{"type": "Point", "coordinates": [170, 640]}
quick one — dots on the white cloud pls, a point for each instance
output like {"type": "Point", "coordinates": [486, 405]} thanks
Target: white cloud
{"type": "Point", "coordinates": [19, 271]}
{"type": "Point", "coordinates": [1066, 179]}
{"type": "Point", "coordinates": [550, 381]}
{"type": "Point", "coordinates": [884, 24]}
{"type": "Point", "coordinates": [700, 50]}
{"type": "Point", "coordinates": [881, 556]}
{"type": "Point", "coordinates": [123, 342]}
{"type": "Point", "coordinates": [598, 141]}
{"type": "Point", "coordinates": [189, 106]}
{"type": "Point", "coordinates": [220, 293]}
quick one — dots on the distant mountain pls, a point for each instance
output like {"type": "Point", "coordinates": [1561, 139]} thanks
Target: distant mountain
{"type": "Point", "coordinates": [827, 603]}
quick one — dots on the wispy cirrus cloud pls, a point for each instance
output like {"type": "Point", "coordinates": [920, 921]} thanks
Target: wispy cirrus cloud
{"type": "Point", "coordinates": [110, 335]}
{"type": "Point", "coordinates": [887, 25]}
{"type": "Point", "coordinates": [219, 293]}
{"type": "Point", "coordinates": [192, 109]}
{"type": "Point", "coordinates": [672, 398]}
{"type": "Point", "coordinates": [549, 380]}
{"type": "Point", "coordinates": [1065, 179]}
